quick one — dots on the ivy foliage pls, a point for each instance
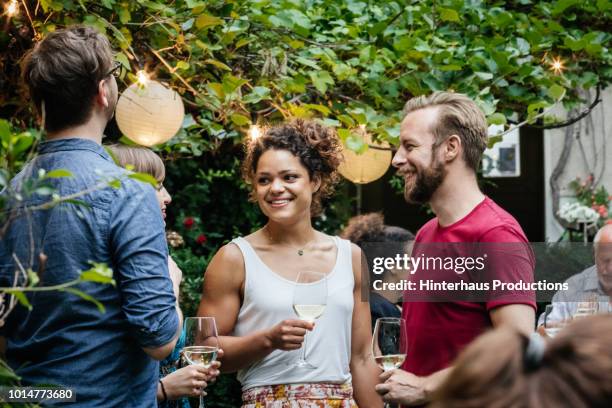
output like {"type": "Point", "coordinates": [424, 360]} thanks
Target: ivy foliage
{"type": "Point", "coordinates": [348, 62]}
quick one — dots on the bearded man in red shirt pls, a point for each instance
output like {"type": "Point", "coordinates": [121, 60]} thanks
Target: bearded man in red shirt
{"type": "Point", "coordinates": [442, 139]}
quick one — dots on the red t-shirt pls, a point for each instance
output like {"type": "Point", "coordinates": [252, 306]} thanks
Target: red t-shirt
{"type": "Point", "coordinates": [437, 331]}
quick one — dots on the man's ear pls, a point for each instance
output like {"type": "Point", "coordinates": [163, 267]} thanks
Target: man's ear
{"type": "Point", "coordinates": [452, 148]}
{"type": "Point", "coordinates": [102, 96]}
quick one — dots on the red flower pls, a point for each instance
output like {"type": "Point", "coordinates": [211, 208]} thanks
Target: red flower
{"type": "Point", "coordinates": [188, 222]}
{"type": "Point", "coordinates": [609, 222]}
{"type": "Point", "coordinates": [201, 239]}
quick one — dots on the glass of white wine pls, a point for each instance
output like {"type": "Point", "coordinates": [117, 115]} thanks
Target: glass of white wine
{"type": "Point", "coordinates": [389, 343]}
{"type": "Point", "coordinates": [309, 301]}
{"type": "Point", "coordinates": [553, 326]}
{"type": "Point", "coordinates": [201, 343]}
{"type": "Point", "coordinates": [586, 308]}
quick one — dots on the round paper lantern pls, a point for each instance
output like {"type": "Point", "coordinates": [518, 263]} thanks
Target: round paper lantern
{"type": "Point", "coordinates": [149, 113]}
{"type": "Point", "coordinates": [367, 167]}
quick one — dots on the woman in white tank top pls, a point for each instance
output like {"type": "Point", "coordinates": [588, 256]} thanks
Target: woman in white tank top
{"type": "Point", "coordinates": [249, 284]}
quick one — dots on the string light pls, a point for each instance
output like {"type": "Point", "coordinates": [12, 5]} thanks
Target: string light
{"type": "Point", "coordinates": [556, 65]}
{"type": "Point", "coordinates": [12, 8]}
{"type": "Point", "coordinates": [255, 132]}
{"type": "Point", "coordinates": [142, 78]}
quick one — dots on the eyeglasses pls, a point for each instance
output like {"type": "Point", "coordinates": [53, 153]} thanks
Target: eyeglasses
{"type": "Point", "coordinates": [116, 70]}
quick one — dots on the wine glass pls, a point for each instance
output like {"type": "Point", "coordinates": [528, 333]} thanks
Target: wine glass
{"type": "Point", "coordinates": [586, 308]}
{"type": "Point", "coordinates": [389, 343]}
{"type": "Point", "coordinates": [552, 325]}
{"type": "Point", "coordinates": [201, 343]}
{"type": "Point", "coordinates": [309, 300]}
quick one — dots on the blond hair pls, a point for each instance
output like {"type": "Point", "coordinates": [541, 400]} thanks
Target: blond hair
{"type": "Point", "coordinates": [457, 115]}
{"type": "Point", "coordinates": [142, 159]}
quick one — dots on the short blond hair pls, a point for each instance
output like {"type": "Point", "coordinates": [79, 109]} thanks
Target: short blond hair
{"type": "Point", "coordinates": [142, 159]}
{"type": "Point", "coordinates": [457, 115]}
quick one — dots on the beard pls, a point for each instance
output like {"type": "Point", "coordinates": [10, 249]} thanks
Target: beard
{"type": "Point", "coordinates": [425, 184]}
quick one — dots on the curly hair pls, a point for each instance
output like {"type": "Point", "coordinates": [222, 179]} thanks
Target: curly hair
{"type": "Point", "coordinates": [315, 145]}
{"type": "Point", "coordinates": [371, 228]}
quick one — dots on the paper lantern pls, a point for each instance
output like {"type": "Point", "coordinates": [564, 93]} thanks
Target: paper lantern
{"type": "Point", "coordinates": [367, 167]}
{"type": "Point", "coordinates": [149, 113]}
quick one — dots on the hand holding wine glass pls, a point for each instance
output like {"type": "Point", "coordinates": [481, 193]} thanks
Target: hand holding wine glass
{"type": "Point", "coordinates": [389, 343]}
{"type": "Point", "coordinates": [553, 325]}
{"type": "Point", "coordinates": [201, 343]}
{"type": "Point", "coordinates": [309, 300]}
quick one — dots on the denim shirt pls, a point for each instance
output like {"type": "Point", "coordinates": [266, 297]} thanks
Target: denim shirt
{"type": "Point", "coordinates": [66, 340]}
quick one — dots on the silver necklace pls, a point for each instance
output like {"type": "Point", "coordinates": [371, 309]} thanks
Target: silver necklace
{"type": "Point", "coordinates": [300, 251]}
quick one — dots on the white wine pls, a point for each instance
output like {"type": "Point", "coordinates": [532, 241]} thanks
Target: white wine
{"type": "Point", "coordinates": [309, 312]}
{"type": "Point", "coordinates": [200, 355]}
{"type": "Point", "coordinates": [390, 361]}
{"type": "Point", "coordinates": [552, 331]}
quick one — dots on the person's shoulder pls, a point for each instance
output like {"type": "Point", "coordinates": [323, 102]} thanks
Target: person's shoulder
{"type": "Point", "coordinates": [229, 254]}
{"type": "Point", "coordinates": [582, 278]}
{"type": "Point", "coordinates": [427, 229]}
{"type": "Point", "coordinates": [496, 215]}
{"type": "Point", "coordinates": [499, 225]}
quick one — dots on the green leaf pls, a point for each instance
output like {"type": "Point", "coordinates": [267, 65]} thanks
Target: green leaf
{"type": "Point", "coordinates": [87, 297]}
{"type": "Point", "coordinates": [182, 65]}
{"type": "Point", "coordinates": [497, 119]}
{"type": "Point", "coordinates": [217, 64]}
{"type": "Point", "coordinates": [258, 93]}
{"type": "Point", "coordinates": [347, 120]}
{"type": "Point", "coordinates": [144, 178]}
{"type": "Point", "coordinates": [24, 141]}
{"type": "Point", "coordinates": [58, 173]}
{"type": "Point", "coordinates": [21, 297]}
{"type": "Point", "coordinates": [123, 59]}
{"type": "Point", "coordinates": [124, 15]}
{"type": "Point", "coordinates": [533, 109]}
{"type": "Point", "coordinates": [5, 131]}
{"type": "Point", "coordinates": [321, 80]}
{"type": "Point", "coordinates": [343, 134]}
{"type": "Point", "coordinates": [116, 184]}
{"type": "Point", "coordinates": [78, 203]}
{"type": "Point", "coordinates": [307, 62]}
{"type": "Point", "coordinates": [240, 120]}
{"type": "Point", "coordinates": [485, 76]}
{"type": "Point", "coordinates": [99, 272]}
{"type": "Point", "coordinates": [33, 278]}
{"type": "Point", "coordinates": [356, 144]}
{"type": "Point", "coordinates": [563, 5]}
{"type": "Point", "coordinates": [449, 14]}
{"type": "Point", "coordinates": [319, 108]}
{"type": "Point", "coordinates": [493, 140]}
{"type": "Point", "coordinates": [556, 92]}
{"type": "Point", "coordinates": [205, 21]}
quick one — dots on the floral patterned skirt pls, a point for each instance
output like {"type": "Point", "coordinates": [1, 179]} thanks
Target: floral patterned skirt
{"type": "Point", "coordinates": [313, 395]}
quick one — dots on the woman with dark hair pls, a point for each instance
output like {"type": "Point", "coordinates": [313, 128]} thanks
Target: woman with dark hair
{"type": "Point", "coordinates": [376, 240]}
{"type": "Point", "coordinates": [249, 284]}
{"type": "Point", "coordinates": [506, 369]}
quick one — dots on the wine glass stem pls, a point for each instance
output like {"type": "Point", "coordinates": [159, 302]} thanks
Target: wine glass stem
{"type": "Point", "coordinates": [202, 399]}
{"type": "Point", "coordinates": [304, 348]}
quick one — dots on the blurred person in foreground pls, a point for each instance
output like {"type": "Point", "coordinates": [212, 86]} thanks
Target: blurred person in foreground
{"type": "Point", "coordinates": [376, 240]}
{"type": "Point", "coordinates": [507, 369]}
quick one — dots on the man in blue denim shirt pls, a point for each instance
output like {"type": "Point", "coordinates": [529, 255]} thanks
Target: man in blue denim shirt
{"type": "Point", "coordinates": [109, 359]}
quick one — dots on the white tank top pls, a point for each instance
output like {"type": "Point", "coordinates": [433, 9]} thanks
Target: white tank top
{"type": "Point", "coordinates": [268, 300]}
